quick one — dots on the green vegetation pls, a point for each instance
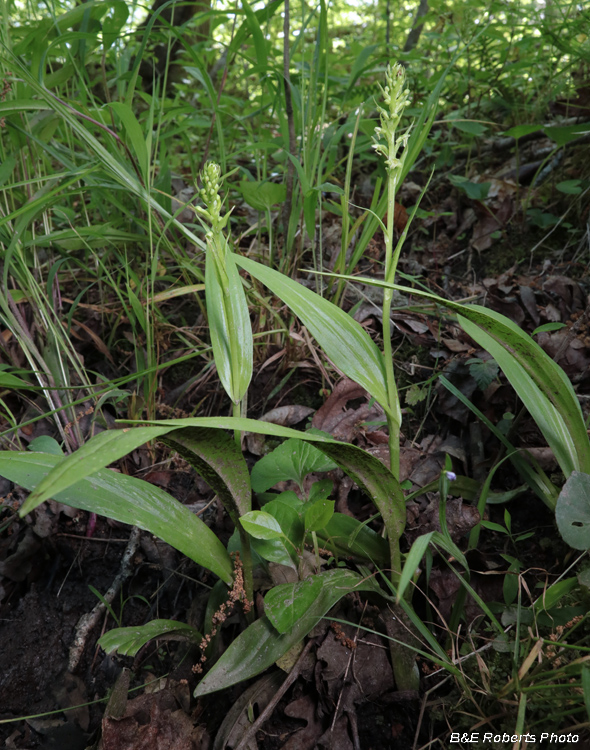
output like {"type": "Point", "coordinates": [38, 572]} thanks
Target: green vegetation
{"type": "Point", "coordinates": [169, 186]}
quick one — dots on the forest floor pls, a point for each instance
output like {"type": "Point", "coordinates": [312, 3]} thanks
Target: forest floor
{"type": "Point", "coordinates": [344, 695]}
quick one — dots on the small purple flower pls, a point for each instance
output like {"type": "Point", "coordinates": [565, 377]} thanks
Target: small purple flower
{"type": "Point", "coordinates": [451, 476]}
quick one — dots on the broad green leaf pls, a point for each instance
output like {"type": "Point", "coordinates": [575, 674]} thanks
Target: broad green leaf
{"type": "Point", "coordinates": [135, 137]}
{"type": "Point", "coordinates": [366, 470]}
{"type": "Point", "coordinates": [128, 641]}
{"type": "Point", "coordinates": [483, 371]}
{"type": "Point", "coordinates": [276, 551]}
{"type": "Point", "coordinates": [468, 126]}
{"type": "Point", "coordinates": [260, 645]}
{"type": "Point", "coordinates": [548, 327]}
{"type": "Point", "coordinates": [7, 380]}
{"type": "Point", "coordinates": [287, 604]}
{"type": "Point", "coordinates": [216, 457]}
{"type": "Point", "coordinates": [320, 490]}
{"type": "Point", "coordinates": [564, 134]}
{"type": "Point", "coordinates": [318, 514]}
{"type": "Point", "coordinates": [261, 525]}
{"type": "Point", "coordinates": [292, 460]}
{"type": "Point", "coordinates": [113, 23]}
{"type": "Point", "coordinates": [285, 509]}
{"type": "Point", "coordinates": [124, 499]}
{"type": "Point", "coordinates": [475, 190]}
{"type": "Point", "coordinates": [572, 512]}
{"type": "Point", "coordinates": [412, 562]}
{"type": "Point", "coordinates": [7, 166]}
{"type": "Point", "coordinates": [510, 583]}
{"type": "Point", "coordinates": [345, 342]}
{"type": "Point", "coordinates": [97, 453]}
{"type": "Point", "coordinates": [229, 326]}
{"type": "Point", "coordinates": [570, 187]}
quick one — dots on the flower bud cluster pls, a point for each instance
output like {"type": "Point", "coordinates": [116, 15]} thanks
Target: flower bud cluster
{"type": "Point", "coordinates": [211, 184]}
{"type": "Point", "coordinates": [396, 98]}
{"type": "Point", "coordinates": [211, 181]}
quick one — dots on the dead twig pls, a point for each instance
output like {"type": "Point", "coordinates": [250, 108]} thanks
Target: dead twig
{"type": "Point", "coordinates": [88, 621]}
{"type": "Point", "coordinates": [267, 713]}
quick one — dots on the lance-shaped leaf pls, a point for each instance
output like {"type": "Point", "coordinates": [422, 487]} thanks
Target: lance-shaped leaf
{"type": "Point", "coordinates": [229, 325]}
{"type": "Point", "coordinates": [97, 453]}
{"type": "Point", "coordinates": [345, 342]}
{"type": "Point", "coordinates": [127, 500]}
{"type": "Point", "coordinates": [366, 470]}
{"type": "Point", "coordinates": [216, 457]}
{"type": "Point", "coordinates": [529, 370]}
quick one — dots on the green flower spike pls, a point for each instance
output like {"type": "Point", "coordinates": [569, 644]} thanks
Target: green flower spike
{"type": "Point", "coordinates": [216, 241]}
{"type": "Point", "coordinates": [396, 98]}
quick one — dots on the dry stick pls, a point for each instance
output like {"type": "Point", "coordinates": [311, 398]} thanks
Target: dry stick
{"type": "Point", "coordinates": [87, 622]}
{"type": "Point", "coordinates": [266, 714]}
{"type": "Point", "coordinates": [290, 123]}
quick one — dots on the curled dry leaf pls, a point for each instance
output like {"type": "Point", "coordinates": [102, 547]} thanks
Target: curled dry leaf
{"type": "Point", "coordinates": [342, 423]}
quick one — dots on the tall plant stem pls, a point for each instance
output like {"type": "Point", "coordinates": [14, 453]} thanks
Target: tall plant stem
{"type": "Point", "coordinates": [394, 417]}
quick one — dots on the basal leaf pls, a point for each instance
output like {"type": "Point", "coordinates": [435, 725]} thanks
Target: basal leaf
{"type": "Point", "coordinates": [97, 453]}
{"type": "Point", "coordinates": [127, 500]}
{"type": "Point", "coordinates": [366, 470]}
{"type": "Point", "coordinates": [216, 457]}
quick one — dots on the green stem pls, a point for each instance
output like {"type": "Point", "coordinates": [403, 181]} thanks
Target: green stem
{"type": "Point", "coordinates": [237, 412]}
{"type": "Point", "coordinates": [394, 416]}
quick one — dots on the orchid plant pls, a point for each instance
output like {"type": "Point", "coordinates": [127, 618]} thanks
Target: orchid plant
{"type": "Point", "coordinates": [80, 480]}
